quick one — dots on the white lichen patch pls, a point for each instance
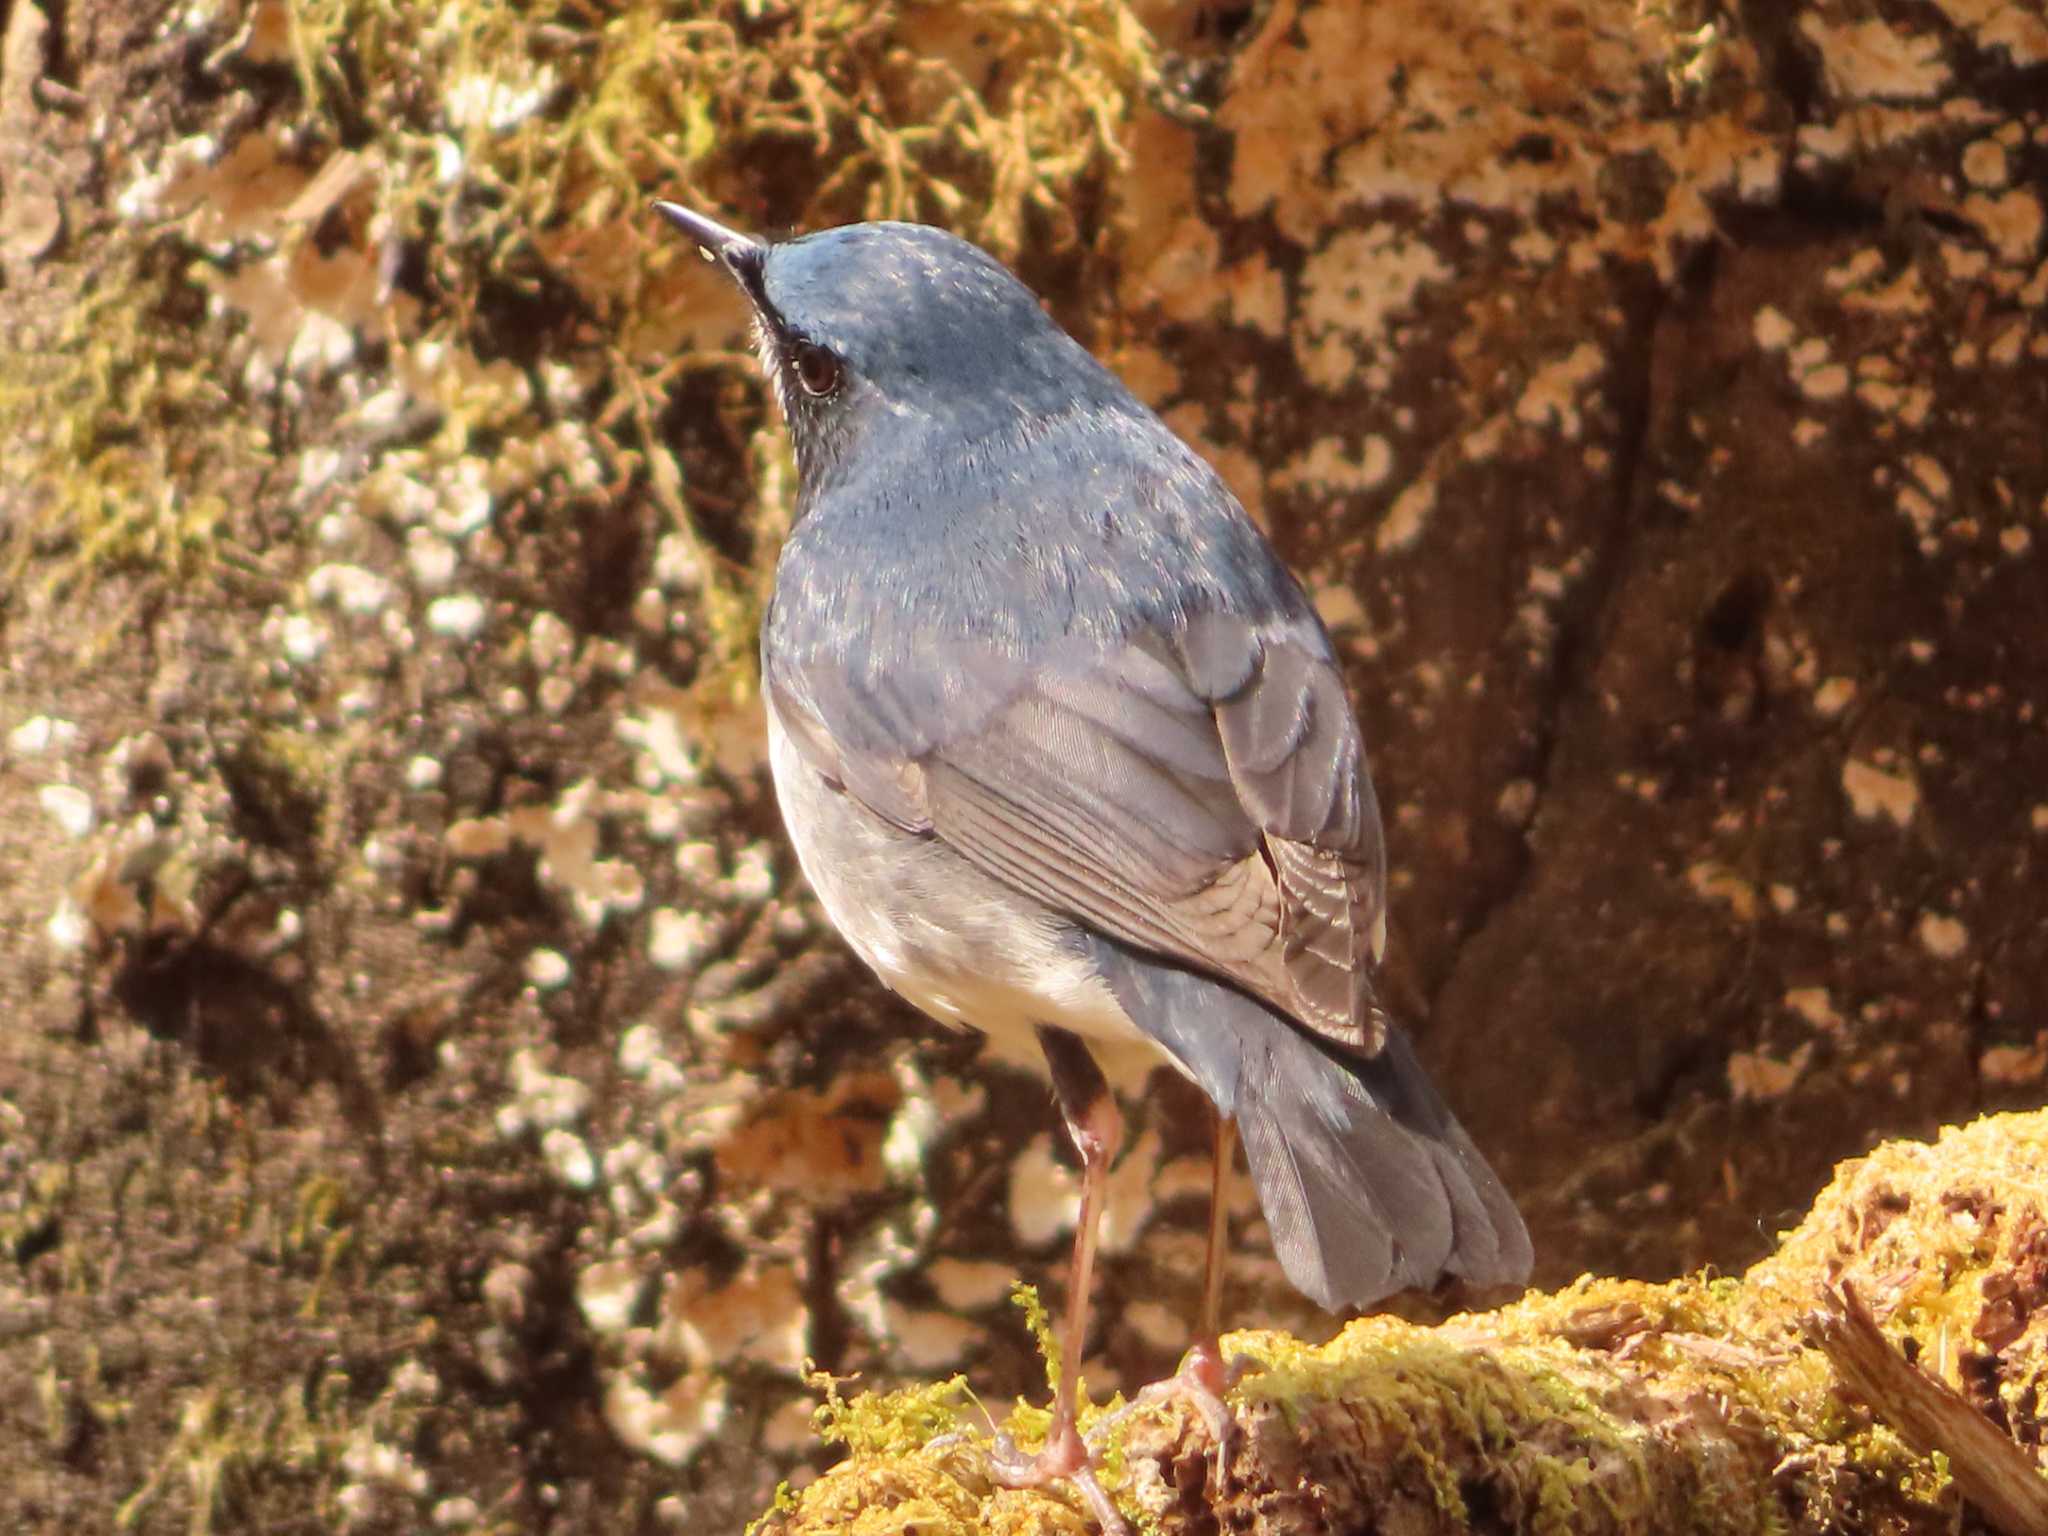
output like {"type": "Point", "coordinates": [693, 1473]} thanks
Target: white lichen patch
{"type": "Point", "coordinates": [1771, 330]}
{"type": "Point", "coordinates": [1045, 1196]}
{"type": "Point", "coordinates": [301, 637]}
{"type": "Point", "coordinates": [1941, 935]}
{"type": "Point", "coordinates": [496, 102]}
{"type": "Point", "coordinates": [1816, 1005]}
{"type": "Point", "coordinates": [2015, 1066]}
{"type": "Point", "coordinates": [1157, 1324]}
{"type": "Point", "coordinates": [1984, 164]}
{"type": "Point", "coordinates": [1334, 467]}
{"type": "Point", "coordinates": [2017, 28]}
{"type": "Point", "coordinates": [431, 558]}
{"type": "Point", "coordinates": [608, 1293]}
{"type": "Point", "coordinates": [679, 941]}
{"type": "Point", "coordinates": [1127, 1204]}
{"type": "Point", "coordinates": [786, 1431]}
{"type": "Point", "coordinates": [667, 753]}
{"type": "Point", "coordinates": [461, 501]}
{"type": "Point", "coordinates": [1756, 1077]}
{"type": "Point", "coordinates": [550, 641]}
{"type": "Point", "coordinates": [541, 1100]}
{"type": "Point", "coordinates": [672, 1425]}
{"type": "Point", "coordinates": [914, 1129]}
{"type": "Point", "coordinates": [1872, 61]}
{"type": "Point", "coordinates": [39, 734]}
{"type": "Point", "coordinates": [752, 880]}
{"type": "Point", "coordinates": [868, 1263]}
{"type": "Point", "coordinates": [351, 588]}
{"type": "Point", "coordinates": [1338, 605]}
{"type": "Point", "coordinates": [1406, 518]}
{"type": "Point", "coordinates": [1552, 396]}
{"type": "Point", "coordinates": [1880, 390]}
{"type": "Point", "coordinates": [1834, 696]}
{"type": "Point", "coordinates": [643, 1054]}
{"type": "Point", "coordinates": [1816, 375]}
{"type": "Point", "coordinates": [477, 837]}
{"type": "Point", "coordinates": [1930, 473]}
{"type": "Point", "coordinates": [1716, 882]}
{"type": "Point", "coordinates": [458, 616]}
{"type": "Point", "coordinates": [369, 1460]}
{"type": "Point", "coordinates": [1876, 792]}
{"type": "Point", "coordinates": [568, 1158]}
{"type": "Point", "coordinates": [758, 1316]}
{"type": "Point", "coordinates": [68, 929]}
{"type": "Point", "coordinates": [547, 969]}
{"type": "Point", "coordinates": [969, 1285]}
{"type": "Point", "coordinates": [69, 807]}
{"type": "Point", "coordinates": [2012, 223]}
{"type": "Point", "coordinates": [928, 1340]}
{"type": "Point", "coordinates": [1352, 288]}
{"type": "Point", "coordinates": [566, 834]}
{"type": "Point", "coordinates": [1429, 105]}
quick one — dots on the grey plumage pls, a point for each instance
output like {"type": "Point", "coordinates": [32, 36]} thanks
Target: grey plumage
{"type": "Point", "coordinates": [1060, 742]}
{"type": "Point", "coordinates": [1367, 1182]}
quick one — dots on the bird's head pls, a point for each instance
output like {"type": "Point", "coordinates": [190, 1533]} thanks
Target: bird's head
{"type": "Point", "coordinates": [899, 336]}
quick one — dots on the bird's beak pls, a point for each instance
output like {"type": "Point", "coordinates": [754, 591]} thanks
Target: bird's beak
{"type": "Point", "coordinates": [739, 254]}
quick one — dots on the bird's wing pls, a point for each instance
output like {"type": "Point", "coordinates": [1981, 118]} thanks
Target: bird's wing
{"type": "Point", "coordinates": [1200, 793]}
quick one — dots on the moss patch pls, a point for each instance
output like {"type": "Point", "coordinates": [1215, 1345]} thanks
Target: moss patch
{"type": "Point", "coordinates": [1611, 1405]}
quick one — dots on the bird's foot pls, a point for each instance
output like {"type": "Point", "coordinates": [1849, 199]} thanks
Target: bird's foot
{"type": "Point", "coordinates": [1204, 1376]}
{"type": "Point", "coordinates": [1066, 1458]}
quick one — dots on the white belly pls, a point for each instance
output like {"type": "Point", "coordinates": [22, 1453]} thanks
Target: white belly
{"type": "Point", "coordinates": [959, 944]}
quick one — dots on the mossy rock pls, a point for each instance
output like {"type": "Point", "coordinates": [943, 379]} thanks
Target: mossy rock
{"type": "Point", "coordinates": [1697, 1406]}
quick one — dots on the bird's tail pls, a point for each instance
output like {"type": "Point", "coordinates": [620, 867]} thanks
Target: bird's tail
{"type": "Point", "coordinates": [1368, 1182]}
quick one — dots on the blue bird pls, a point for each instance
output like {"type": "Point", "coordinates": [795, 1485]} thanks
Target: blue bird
{"type": "Point", "coordinates": [1065, 752]}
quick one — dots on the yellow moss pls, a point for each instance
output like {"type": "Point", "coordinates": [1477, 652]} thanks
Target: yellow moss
{"type": "Point", "coordinates": [1549, 1393]}
{"type": "Point", "coordinates": [883, 1424]}
{"type": "Point", "coordinates": [915, 1462]}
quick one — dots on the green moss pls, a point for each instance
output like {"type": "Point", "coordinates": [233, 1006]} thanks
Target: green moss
{"type": "Point", "coordinates": [1610, 1405]}
{"type": "Point", "coordinates": [116, 424]}
{"type": "Point", "coordinates": [887, 1423]}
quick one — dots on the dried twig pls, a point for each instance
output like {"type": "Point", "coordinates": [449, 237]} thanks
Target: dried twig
{"type": "Point", "coordinates": [1991, 1471]}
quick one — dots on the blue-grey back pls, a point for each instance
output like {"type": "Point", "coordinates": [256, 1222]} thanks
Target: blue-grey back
{"type": "Point", "coordinates": [1055, 534]}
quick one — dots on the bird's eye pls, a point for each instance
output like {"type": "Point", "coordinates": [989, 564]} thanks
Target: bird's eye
{"type": "Point", "coordinates": [817, 370]}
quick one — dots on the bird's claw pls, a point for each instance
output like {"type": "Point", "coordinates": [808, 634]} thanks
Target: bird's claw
{"type": "Point", "coordinates": [1202, 1380]}
{"type": "Point", "coordinates": [1066, 1458]}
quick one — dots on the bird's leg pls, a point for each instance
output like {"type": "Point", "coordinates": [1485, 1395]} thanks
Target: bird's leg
{"type": "Point", "coordinates": [1204, 1376]}
{"type": "Point", "coordinates": [1204, 1362]}
{"type": "Point", "coordinates": [1092, 1120]}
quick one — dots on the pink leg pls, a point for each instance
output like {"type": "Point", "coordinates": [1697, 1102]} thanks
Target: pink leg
{"type": "Point", "coordinates": [1092, 1120]}
{"type": "Point", "coordinates": [1204, 1376]}
{"type": "Point", "coordinates": [1205, 1358]}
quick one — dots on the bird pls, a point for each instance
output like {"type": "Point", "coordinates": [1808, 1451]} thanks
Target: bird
{"type": "Point", "coordinates": [1066, 754]}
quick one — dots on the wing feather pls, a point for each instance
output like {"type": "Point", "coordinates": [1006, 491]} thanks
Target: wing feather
{"type": "Point", "coordinates": [1201, 793]}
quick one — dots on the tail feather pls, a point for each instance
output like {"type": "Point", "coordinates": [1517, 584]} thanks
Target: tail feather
{"type": "Point", "coordinates": [1368, 1183]}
